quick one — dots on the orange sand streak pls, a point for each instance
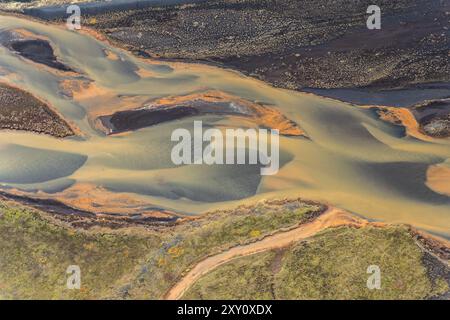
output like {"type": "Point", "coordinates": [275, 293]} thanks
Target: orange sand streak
{"type": "Point", "coordinates": [404, 117]}
{"type": "Point", "coordinates": [438, 179]}
{"type": "Point", "coordinates": [266, 116]}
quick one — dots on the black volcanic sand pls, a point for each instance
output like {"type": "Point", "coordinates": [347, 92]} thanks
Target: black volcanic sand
{"type": "Point", "coordinates": [20, 110]}
{"type": "Point", "coordinates": [38, 51]}
{"type": "Point", "coordinates": [137, 119]}
{"type": "Point", "coordinates": [131, 120]}
{"type": "Point", "coordinates": [296, 44]}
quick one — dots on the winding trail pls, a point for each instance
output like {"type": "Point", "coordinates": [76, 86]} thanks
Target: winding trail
{"type": "Point", "coordinates": [333, 217]}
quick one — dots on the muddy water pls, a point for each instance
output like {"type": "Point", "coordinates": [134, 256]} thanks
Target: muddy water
{"type": "Point", "coordinates": [352, 160]}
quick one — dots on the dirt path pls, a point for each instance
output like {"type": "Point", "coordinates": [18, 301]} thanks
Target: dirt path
{"type": "Point", "coordinates": [331, 218]}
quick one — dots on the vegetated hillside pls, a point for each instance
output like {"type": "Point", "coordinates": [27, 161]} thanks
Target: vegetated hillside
{"type": "Point", "coordinates": [332, 265]}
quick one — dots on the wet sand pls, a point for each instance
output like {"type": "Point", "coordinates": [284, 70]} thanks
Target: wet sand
{"type": "Point", "coordinates": [438, 178]}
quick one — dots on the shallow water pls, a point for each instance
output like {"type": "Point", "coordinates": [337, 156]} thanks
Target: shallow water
{"type": "Point", "coordinates": [404, 97]}
{"type": "Point", "coordinates": [352, 159]}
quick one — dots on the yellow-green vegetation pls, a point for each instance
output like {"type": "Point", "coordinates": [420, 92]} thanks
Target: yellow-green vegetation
{"type": "Point", "coordinates": [35, 251]}
{"type": "Point", "coordinates": [244, 278]}
{"type": "Point", "coordinates": [35, 254]}
{"type": "Point", "coordinates": [213, 233]}
{"type": "Point", "coordinates": [332, 265]}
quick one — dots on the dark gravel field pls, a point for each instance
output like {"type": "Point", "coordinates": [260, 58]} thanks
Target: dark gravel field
{"type": "Point", "coordinates": [19, 110]}
{"type": "Point", "coordinates": [297, 44]}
